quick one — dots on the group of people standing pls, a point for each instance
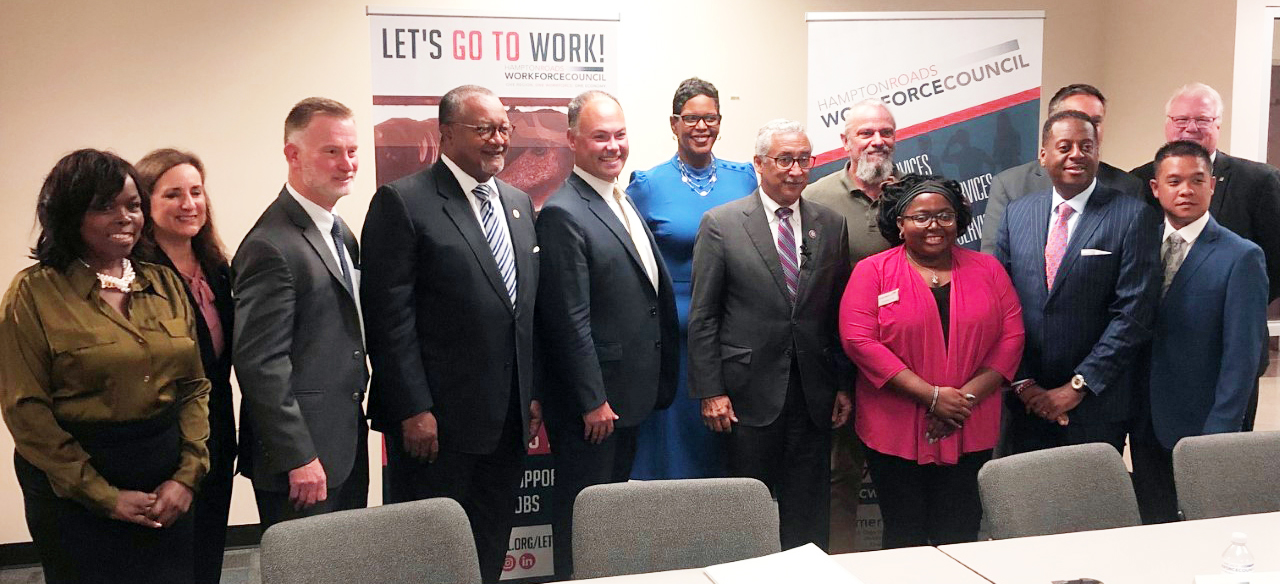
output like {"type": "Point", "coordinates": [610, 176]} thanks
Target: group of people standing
{"type": "Point", "coordinates": [785, 308]}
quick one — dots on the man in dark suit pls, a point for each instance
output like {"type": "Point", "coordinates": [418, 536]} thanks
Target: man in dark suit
{"type": "Point", "coordinates": [764, 353]}
{"type": "Point", "coordinates": [1082, 257]}
{"type": "Point", "coordinates": [451, 274]}
{"type": "Point", "coordinates": [1246, 198]}
{"type": "Point", "coordinates": [1210, 327]}
{"type": "Point", "coordinates": [298, 348]}
{"type": "Point", "coordinates": [607, 324]}
{"type": "Point", "coordinates": [1030, 178]}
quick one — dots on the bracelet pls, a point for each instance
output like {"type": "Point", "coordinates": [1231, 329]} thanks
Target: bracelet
{"type": "Point", "coordinates": [935, 399]}
{"type": "Point", "coordinates": [1021, 386]}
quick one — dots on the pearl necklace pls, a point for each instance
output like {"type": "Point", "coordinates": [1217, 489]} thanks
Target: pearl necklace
{"type": "Point", "coordinates": [107, 281]}
{"type": "Point", "coordinates": [700, 185]}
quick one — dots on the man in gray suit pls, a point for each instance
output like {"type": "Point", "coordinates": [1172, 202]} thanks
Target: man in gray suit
{"type": "Point", "coordinates": [764, 354]}
{"type": "Point", "coordinates": [1032, 178]}
{"type": "Point", "coordinates": [298, 348]}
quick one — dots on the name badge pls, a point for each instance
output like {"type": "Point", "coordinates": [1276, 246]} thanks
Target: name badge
{"type": "Point", "coordinates": [888, 297]}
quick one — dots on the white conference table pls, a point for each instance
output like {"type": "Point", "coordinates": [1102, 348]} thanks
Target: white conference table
{"type": "Point", "coordinates": [1171, 552]}
{"type": "Point", "coordinates": [918, 565]}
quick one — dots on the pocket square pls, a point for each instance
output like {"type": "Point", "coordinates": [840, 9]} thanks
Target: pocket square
{"type": "Point", "coordinates": [1094, 252]}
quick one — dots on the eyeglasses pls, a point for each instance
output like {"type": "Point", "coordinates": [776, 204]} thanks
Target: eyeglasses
{"type": "Point", "coordinates": [486, 132]}
{"type": "Point", "coordinates": [944, 219]}
{"type": "Point", "coordinates": [785, 161]}
{"type": "Point", "coordinates": [692, 120]}
{"type": "Point", "coordinates": [1203, 123]}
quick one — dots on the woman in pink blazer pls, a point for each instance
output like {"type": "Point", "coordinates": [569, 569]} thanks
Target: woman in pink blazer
{"type": "Point", "coordinates": [936, 331]}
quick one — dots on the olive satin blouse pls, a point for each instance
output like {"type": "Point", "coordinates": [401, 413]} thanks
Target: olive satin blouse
{"type": "Point", "coordinates": [66, 355]}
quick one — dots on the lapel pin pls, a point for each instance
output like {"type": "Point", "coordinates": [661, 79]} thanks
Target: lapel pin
{"type": "Point", "coordinates": [536, 249]}
{"type": "Point", "coordinates": [813, 234]}
{"type": "Point", "coordinates": [515, 213]}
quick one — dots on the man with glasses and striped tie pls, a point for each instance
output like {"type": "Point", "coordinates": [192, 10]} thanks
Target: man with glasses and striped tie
{"type": "Point", "coordinates": [607, 325]}
{"type": "Point", "coordinates": [450, 279]}
{"type": "Point", "coordinates": [764, 352]}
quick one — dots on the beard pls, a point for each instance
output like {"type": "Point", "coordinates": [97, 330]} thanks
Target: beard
{"type": "Point", "coordinates": [873, 171]}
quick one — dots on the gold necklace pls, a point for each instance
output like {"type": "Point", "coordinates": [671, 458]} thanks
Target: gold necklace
{"type": "Point", "coordinates": [934, 282]}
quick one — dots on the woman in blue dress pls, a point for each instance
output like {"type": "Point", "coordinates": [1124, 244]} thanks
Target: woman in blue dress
{"type": "Point", "coordinates": [672, 197]}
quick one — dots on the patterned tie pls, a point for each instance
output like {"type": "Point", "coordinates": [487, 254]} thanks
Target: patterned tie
{"type": "Point", "coordinates": [787, 251]}
{"type": "Point", "coordinates": [340, 246]}
{"type": "Point", "coordinates": [1174, 252]}
{"type": "Point", "coordinates": [497, 239]}
{"type": "Point", "coordinates": [1057, 245]}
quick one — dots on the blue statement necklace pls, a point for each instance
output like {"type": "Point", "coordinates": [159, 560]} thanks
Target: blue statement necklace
{"type": "Point", "coordinates": [700, 182]}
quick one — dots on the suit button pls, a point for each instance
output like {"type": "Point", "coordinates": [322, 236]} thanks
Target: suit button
{"type": "Point", "coordinates": [356, 355]}
{"type": "Point", "coordinates": [657, 344]}
{"type": "Point", "coordinates": [355, 397]}
{"type": "Point", "coordinates": [653, 311]}
{"type": "Point", "coordinates": [787, 352]}
{"type": "Point", "coordinates": [507, 365]}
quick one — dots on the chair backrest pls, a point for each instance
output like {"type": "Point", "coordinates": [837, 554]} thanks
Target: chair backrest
{"type": "Point", "coordinates": [649, 526]}
{"type": "Point", "coordinates": [1058, 490]}
{"type": "Point", "coordinates": [1227, 474]}
{"type": "Point", "coordinates": [423, 542]}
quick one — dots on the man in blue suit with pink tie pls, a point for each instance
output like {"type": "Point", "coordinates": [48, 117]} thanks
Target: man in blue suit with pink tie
{"type": "Point", "coordinates": [1210, 331]}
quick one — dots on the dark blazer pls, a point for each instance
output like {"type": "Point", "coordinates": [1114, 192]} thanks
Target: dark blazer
{"type": "Point", "coordinates": [442, 333]}
{"type": "Point", "coordinates": [1210, 334]}
{"type": "Point", "coordinates": [743, 331]}
{"type": "Point", "coordinates": [222, 420]}
{"type": "Point", "coordinates": [1102, 304]}
{"type": "Point", "coordinates": [604, 332]}
{"type": "Point", "coordinates": [298, 351]}
{"type": "Point", "coordinates": [1030, 178]}
{"type": "Point", "coordinates": [1246, 200]}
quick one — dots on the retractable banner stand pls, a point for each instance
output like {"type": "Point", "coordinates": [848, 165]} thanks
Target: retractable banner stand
{"type": "Point", "coordinates": [964, 89]}
{"type": "Point", "coordinates": [535, 64]}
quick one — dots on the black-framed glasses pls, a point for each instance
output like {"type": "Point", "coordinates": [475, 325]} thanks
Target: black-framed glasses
{"type": "Point", "coordinates": [486, 132]}
{"type": "Point", "coordinates": [692, 120]}
{"type": "Point", "coordinates": [1202, 122]}
{"type": "Point", "coordinates": [785, 161]}
{"type": "Point", "coordinates": [944, 218]}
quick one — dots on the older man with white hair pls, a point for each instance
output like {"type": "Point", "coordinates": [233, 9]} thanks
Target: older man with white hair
{"type": "Point", "coordinates": [764, 354]}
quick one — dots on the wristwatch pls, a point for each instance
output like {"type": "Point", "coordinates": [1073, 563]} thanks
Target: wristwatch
{"type": "Point", "coordinates": [1078, 384]}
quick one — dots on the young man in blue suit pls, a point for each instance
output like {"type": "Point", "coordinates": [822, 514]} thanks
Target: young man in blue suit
{"type": "Point", "coordinates": [1210, 328]}
{"type": "Point", "coordinates": [1083, 258]}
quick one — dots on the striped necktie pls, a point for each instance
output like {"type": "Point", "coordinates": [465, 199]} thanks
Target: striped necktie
{"type": "Point", "coordinates": [787, 251]}
{"type": "Point", "coordinates": [497, 239]}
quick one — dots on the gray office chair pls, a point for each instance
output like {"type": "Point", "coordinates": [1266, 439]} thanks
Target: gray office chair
{"type": "Point", "coordinates": [1058, 490]}
{"type": "Point", "coordinates": [1227, 474]}
{"type": "Point", "coordinates": [649, 526]}
{"type": "Point", "coordinates": [420, 542]}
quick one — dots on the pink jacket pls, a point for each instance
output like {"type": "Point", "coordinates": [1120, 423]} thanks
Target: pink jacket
{"type": "Point", "coordinates": [884, 335]}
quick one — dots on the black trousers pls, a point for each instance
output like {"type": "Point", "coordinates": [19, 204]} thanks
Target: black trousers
{"type": "Point", "coordinates": [1029, 432]}
{"type": "Point", "coordinates": [791, 456]}
{"type": "Point", "coordinates": [275, 507]}
{"type": "Point", "coordinates": [210, 511]}
{"type": "Point", "coordinates": [1152, 475]}
{"type": "Point", "coordinates": [484, 484]}
{"type": "Point", "coordinates": [927, 504]}
{"type": "Point", "coordinates": [580, 464]}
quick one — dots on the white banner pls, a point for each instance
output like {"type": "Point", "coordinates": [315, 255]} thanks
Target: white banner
{"type": "Point", "coordinates": [964, 88]}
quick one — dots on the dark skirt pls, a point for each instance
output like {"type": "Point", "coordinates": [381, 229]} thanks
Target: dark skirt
{"type": "Point", "coordinates": [77, 545]}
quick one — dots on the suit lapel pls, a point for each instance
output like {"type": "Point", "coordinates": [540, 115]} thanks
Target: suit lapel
{"type": "Point", "coordinates": [605, 214]}
{"type": "Point", "coordinates": [1040, 210]}
{"type": "Point", "coordinates": [808, 245]}
{"type": "Point", "coordinates": [1095, 212]}
{"type": "Point", "coordinates": [312, 235]}
{"type": "Point", "coordinates": [1222, 172]}
{"type": "Point", "coordinates": [757, 226]}
{"type": "Point", "coordinates": [1200, 251]}
{"type": "Point", "coordinates": [523, 239]}
{"type": "Point", "coordinates": [458, 208]}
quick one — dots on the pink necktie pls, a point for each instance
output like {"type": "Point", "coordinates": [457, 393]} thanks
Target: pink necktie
{"type": "Point", "coordinates": [1057, 246]}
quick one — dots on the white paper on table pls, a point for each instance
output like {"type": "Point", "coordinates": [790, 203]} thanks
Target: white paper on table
{"type": "Point", "coordinates": [806, 563]}
{"type": "Point", "coordinates": [1246, 578]}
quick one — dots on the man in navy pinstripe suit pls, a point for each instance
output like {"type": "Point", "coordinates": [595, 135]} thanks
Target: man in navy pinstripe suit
{"type": "Point", "coordinates": [1086, 319]}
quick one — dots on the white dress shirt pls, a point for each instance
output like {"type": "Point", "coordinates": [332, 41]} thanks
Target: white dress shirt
{"type": "Point", "coordinates": [771, 213]}
{"type": "Point", "coordinates": [1077, 204]}
{"type": "Point", "coordinates": [323, 220]}
{"type": "Point", "coordinates": [469, 184]}
{"type": "Point", "coordinates": [630, 219]}
{"type": "Point", "coordinates": [1188, 233]}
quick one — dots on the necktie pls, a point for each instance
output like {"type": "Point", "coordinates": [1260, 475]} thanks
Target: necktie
{"type": "Point", "coordinates": [1057, 245]}
{"type": "Point", "coordinates": [787, 251]}
{"type": "Point", "coordinates": [622, 204]}
{"type": "Point", "coordinates": [497, 239]}
{"type": "Point", "coordinates": [341, 247]}
{"type": "Point", "coordinates": [1174, 252]}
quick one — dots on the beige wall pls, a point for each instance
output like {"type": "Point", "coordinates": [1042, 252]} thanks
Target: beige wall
{"type": "Point", "coordinates": [217, 78]}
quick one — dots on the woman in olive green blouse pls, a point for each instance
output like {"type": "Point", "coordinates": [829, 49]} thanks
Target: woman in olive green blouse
{"type": "Point", "coordinates": [101, 386]}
